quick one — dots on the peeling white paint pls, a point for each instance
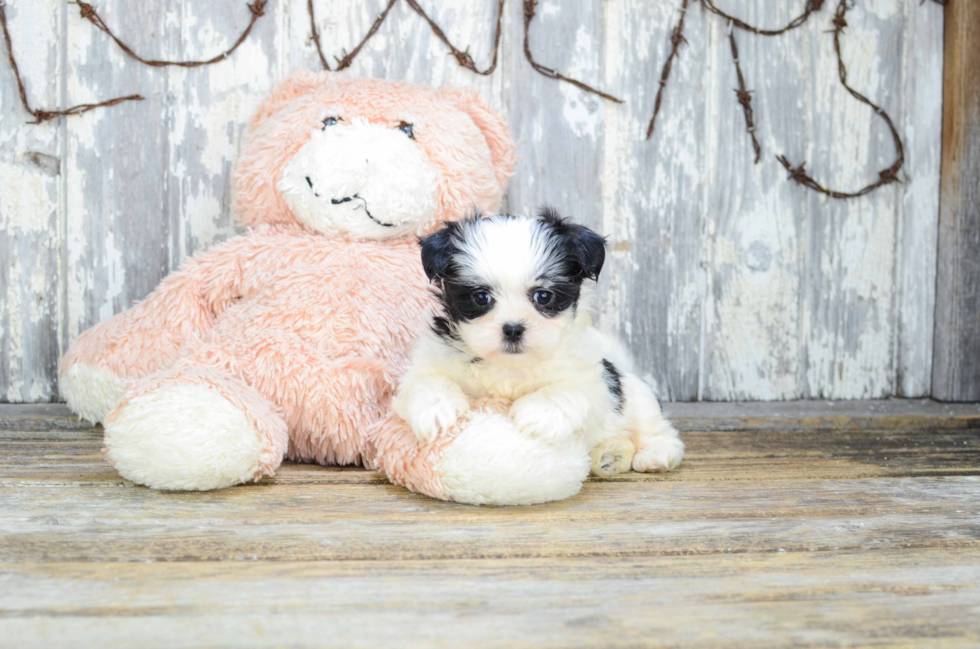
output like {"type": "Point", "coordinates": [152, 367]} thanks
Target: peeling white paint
{"type": "Point", "coordinates": [23, 199]}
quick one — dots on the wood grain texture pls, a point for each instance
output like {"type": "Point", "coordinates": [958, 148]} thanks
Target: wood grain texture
{"type": "Point", "coordinates": [921, 119]}
{"type": "Point", "coordinates": [853, 525]}
{"type": "Point", "coordinates": [956, 372]}
{"type": "Point", "coordinates": [878, 440]}
{"type": "Point", "coordinates": [653, 195]}
{"type": "Point", "coordinates": [839, 598]}
{"type": "Point", "coordinates": [726, 280]}
{"type": "Point", "coordinates": [755, 221]}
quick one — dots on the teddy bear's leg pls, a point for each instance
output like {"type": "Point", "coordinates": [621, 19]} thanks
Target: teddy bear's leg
{"type": "Point", "coordinates": [483, 460]}
{"type": "Point", "coordinates": [195, 428]}
{"type": "Point", "coordinates": [91, 390]}
{"type": "Point", "coordinates": [103, 361]}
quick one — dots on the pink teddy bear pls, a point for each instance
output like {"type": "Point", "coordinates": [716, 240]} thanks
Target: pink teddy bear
{"type": "Point", "coordinates": [288, 341]}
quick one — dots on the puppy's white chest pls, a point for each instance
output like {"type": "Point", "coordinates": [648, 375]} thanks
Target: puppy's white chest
{"type": "Point", "coordinates": [501, 383]}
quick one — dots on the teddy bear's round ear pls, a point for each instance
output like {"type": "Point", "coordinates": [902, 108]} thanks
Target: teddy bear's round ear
{"type": "Point", "coordinates": [494, 129]}
{"type": "Point", "coordinates": [295, 86]}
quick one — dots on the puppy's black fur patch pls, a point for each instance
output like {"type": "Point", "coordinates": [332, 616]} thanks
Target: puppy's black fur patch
{"type": "Point", "coordinates": [438, 250]}
{"type": "Point", "coordinates": [584, 250]}
{"type": "Point", "coordinates": [614, 381]}
{"type": "Point", "coordinates": [579, 254]}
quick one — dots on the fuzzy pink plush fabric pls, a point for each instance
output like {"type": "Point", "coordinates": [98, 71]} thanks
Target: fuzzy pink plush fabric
{"type": "Point", "coordinates": [302, 333]}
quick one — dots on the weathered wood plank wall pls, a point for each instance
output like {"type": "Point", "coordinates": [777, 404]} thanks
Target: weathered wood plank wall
{"type": "Point", "coordinates": [728, 281]}
{"type": "Point", "coordinates": [956, 375]}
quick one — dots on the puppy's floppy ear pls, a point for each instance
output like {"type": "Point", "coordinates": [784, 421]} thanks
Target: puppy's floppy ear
{"type": "Point", "coordinates": [437, 252]}
{"type": "Point", "coordinates": [587, 248]}
{"type": "Point", "coordinates": [591, 249]}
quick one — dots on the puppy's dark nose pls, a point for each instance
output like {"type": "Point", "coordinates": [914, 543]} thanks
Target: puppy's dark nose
{"type": "Point", "coordinates": [513, 331]}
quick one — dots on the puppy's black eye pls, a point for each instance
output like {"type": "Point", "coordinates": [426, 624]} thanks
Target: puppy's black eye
{"type": "Point", "coordinates": [406, 128]}
{"type": "Point", "coordinates": [482, 298]}
{"type": "Point", "coordinates": [543, 298]}
{"type": "Point", "coordinates": [330, 121]}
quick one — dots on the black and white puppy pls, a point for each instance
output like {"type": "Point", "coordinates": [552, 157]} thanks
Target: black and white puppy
{"type": "Point", "coordinates": [515, 322]}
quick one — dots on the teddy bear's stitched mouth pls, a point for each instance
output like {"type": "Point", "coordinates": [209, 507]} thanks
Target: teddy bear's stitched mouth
{"type": "Point", "coordinates": [347, 199]}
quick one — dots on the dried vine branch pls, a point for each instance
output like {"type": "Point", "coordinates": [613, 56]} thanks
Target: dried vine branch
{"type": "Point", "coordinates": [88, 13]}
{"type": "Point", "coordinates": [885, 176]}
{"type": "Point", "coordinates": [529, 12]}
{"type": "Point", "coordinates": [348, 58]}
{"type": "Point", "coordinates": [744, 96]}
{"type": "Point", "coordinates": [41, 115]}
{"type": "Point", "coordinates": [463, 57]}
{"type": "Point", "coordinates": [676, 38]}
{"type": "Point", "coordinates": [315, 35]}
{"type": "Point", "coordinates": [812, 6]}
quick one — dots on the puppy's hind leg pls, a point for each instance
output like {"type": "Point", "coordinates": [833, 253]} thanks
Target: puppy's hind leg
{"type": "Point", "coordinates": [658, 446]}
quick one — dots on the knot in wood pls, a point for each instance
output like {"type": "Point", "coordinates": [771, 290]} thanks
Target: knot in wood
{"type": "Point", "coordinates": [529, 6]}
{"type": "Point", "coordinates": [889, 175]}
{"type": "Point", "coordinates": [744, 97]}
{"type": "Point", "coordinates": [86, 10]}
{"type": "Point", "coordinates": [465, 60]}
{"type": "Point", "coordinates": [258, 8]}
{"type": "Point", "coordinates": [41, 116]}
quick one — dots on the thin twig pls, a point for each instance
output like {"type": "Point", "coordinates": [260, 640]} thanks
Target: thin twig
{"type": "Point", "coordinates": [88, 13]}
{"type": "Point", "coordinates": [676, 38]}
{"type": "Point", "coordinates": [345, 62]}
{"type": "Point", "coordinates": [885, 176]}
{"type": "Point", "coordinates": [41, 115]}
{"type": "Point", "coordinates": [529, 10]}
{"type": "Point", "coordinates": [744, 96]}
{"type": "Point", "coordinates": [463, 57]}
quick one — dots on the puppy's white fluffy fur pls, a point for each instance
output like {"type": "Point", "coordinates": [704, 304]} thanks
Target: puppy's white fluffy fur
{"type": "Point", "coordinates": [563, 378]}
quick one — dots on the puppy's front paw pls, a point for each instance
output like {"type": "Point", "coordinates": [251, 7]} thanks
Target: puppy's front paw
{"type": "Point", "coordinates": [538, 417]}
{"type": "Point", "coordinates": [662, 453]}
{"type": "Point", "coordinates": [437, 415]}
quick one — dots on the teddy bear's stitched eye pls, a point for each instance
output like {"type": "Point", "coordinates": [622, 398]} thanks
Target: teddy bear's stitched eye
{"type": "Point", "coordinates": [406, 128]}
{"type": "Point", "coordinates": [330, 121]}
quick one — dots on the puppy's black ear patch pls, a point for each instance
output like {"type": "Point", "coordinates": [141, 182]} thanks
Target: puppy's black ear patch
{"type": "Point", "coordinates": [584, 246]}
{"type": "Point", "coordinates": [590, 247]}
{"type": "Point", "coordinates": [437, 252]}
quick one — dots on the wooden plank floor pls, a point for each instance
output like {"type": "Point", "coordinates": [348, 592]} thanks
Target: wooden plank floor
{"type": "Point", "coordinates": [794, 524]}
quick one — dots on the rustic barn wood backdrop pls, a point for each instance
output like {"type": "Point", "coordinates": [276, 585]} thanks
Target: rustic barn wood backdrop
{"type": "Point", "coordinates": [728, 281]}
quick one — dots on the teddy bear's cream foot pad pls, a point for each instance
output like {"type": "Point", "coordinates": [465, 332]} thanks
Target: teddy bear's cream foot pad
{"type": "Point", "coordinates": [493, 463]}
{"type": "Point", "coordinates": [91, 391]}
{"type": "Point", "coordinates": [183, 437]}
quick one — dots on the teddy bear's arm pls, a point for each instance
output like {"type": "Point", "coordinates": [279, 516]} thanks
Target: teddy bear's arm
{"type": "Point", "coordinates": [103, 360]}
